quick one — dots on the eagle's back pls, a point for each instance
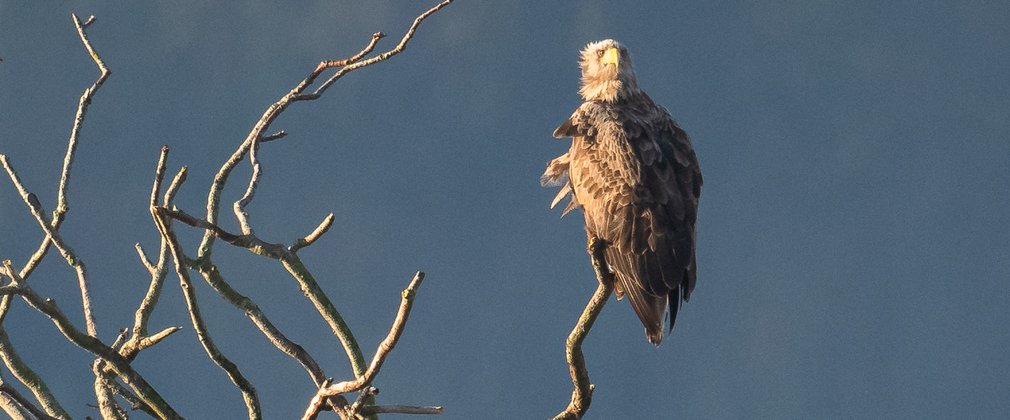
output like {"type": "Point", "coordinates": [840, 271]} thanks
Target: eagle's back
{"type": "Point", "coordinates": [636, 177]}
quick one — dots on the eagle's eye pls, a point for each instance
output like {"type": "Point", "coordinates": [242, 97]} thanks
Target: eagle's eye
{"type": "Point", "coordinates": [599, 53]}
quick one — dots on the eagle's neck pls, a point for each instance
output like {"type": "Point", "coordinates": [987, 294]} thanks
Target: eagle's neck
{"type": "Point", "coordinates": [611, 90]}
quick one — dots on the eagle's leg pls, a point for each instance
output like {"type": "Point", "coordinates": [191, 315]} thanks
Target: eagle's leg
{"type": "Point", "coordinates": [596, 246]}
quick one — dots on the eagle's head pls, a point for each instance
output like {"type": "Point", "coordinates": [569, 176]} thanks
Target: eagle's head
{"type": "Point", "coordinates": [606, 72]}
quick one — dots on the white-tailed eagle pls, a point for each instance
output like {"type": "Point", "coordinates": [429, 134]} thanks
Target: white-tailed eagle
{"type": "Point", "coordinates": [633, 172]}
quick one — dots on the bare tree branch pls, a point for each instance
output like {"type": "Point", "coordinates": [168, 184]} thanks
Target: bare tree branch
{"type": "Point", "coordinates": [62, 207]}
{"type": "Point", "coordinates": [67, 253]}
{"type": "Point", "coordinates": [120, 365]}
{"type": "Point", "coordinates": [239, 207]}
{"type": "Point", "coordinates": [260, 320]}
{"type": "Point", "coordinates": [321, 302]}
{"type": "Point", "coordinates": [115, 359]}
{"type": "Point", "coordinates": [106, 394]}
{"type": "Point", "coordinates": [582, 393]}
{"type": "Point", "coordinates": [61, 202]}
{"type": "Point", "coordinates": [158, 270]}
{"type": "Point", "coordinates": [381, 57]}
{"type": "Point", "coordinates": [387, 344]}
{"type": "Point", "coordinates": [22, 372]}
{"type": "Point", "coordinates": [213, 277]}
{"type": "Point", "coordinates": [29, 378]}
{"type": "Point", "coordinates": [248, 391]}
{"type": "Point", "coordinates": [135, 402]}
{"type": "Point", "coordinates": [297, 269]}
{"type": "Point", "coordinates": [17, 406]}
{"type": "Point", "coordinates": [288, 257]}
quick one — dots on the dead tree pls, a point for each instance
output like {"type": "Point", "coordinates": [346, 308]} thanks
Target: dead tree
{"type": "Point", "coordinates": [115, 380]}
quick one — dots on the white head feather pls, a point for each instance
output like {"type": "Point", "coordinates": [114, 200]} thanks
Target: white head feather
{"type": "Point", "coordinates": [603, 80]}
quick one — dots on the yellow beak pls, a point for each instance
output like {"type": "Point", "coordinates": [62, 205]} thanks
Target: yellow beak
{"type": "Point", "coordinates": [611, 56]}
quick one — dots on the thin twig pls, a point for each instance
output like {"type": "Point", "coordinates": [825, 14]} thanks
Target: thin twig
{"type": "Point", "coordinates": [329, 64]}
{"type": "Point", "coordinates": [239, 207]}
{"type": "Point", "coordinates": [582, 392]}
{"type": "Point", "coordinates": [275, 136]}
{"type": "Point", "coordinates": [135, 403]}
{"type": "Point", "coordinates": [312, 237]}
{"type": "Point", "coordinates": [368, 393]}
{"type": "Point", "coordinates": [400, 409]}
{"type": "Point", "coordinates": [384, 56]}
{"type": "Point", "coordinates": [296, 94]}
{"type": "Point", "coordinates": [385, 347]}
{"type": "Point", "coordinates": [139, 339]}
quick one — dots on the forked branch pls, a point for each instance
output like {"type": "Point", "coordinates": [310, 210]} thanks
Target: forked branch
{"type": "Point", "coordinates": [387, 344]}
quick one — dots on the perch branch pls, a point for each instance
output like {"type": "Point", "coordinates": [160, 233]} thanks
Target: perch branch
{"type": "Point", "coordinates": [387, 344]}
{"type": "Point", "coordinates": [582, 392]}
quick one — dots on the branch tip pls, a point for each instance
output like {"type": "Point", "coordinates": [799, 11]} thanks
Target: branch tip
{"type": "Point", "coordinates": [275, 136]}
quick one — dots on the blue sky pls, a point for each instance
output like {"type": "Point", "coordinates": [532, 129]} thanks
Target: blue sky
{"type": "Point", "coordinates": [853, 232]}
